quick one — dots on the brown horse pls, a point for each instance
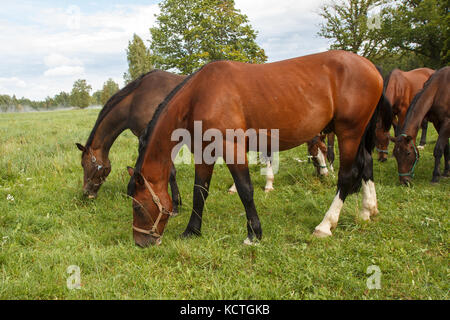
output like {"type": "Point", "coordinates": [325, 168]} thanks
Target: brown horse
{"type": "Point", "coordinates": [288, 102]}
{"type": "Point", "coordinates": [130, 108]}
{"type": "Point", "coordinates": [400, 88]}
{"type": "Point", "coordinates": [434, 102]}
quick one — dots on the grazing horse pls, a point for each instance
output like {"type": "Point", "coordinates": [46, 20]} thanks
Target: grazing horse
{"type": "Point", "coordinates": [400, 88]}
{"type": "Point", "coordinates": [434, 102]}
{"type": "Point", "coordinates": [289, 102]}
{"type": "Point", "coordinates": [317, 150]}
{"type": "Point", "coordinates": [130, 108]}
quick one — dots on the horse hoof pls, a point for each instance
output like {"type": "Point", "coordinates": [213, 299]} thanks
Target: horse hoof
{"type": "Point", "coordinates": [321, 234]}
{"type": "Point", "coordinates": [249, 242]}
{"type": "Point", "coordinates": [421, 147]}
{"type": "Point", "coordinates": [231, 192]}
{"type": "Point", "coordinates": [91, 197]}
{"type": "Point", "coordinates": [190, 234]}
{"type": "Point", "coordinates": [267, 190]}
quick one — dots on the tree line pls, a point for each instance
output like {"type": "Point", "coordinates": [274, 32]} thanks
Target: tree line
{"type": "Point", "coordinates": [405, 34]}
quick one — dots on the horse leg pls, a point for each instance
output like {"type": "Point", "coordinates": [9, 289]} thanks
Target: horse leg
{"type": "Point", "coordinates": [269, 180]}
{"type": "Point", "coordinates": [423, 137]}
{"type": "Point", "coordinates": [176, 198]}
{"type": "Point", "coordinates": [269, 177]}
{"type": "Point", "coordinates": [447, 161]}
{"type": "Point", "coordinates": [440, 149]}
{"type": "Point", "coordinates": [244, 188]}
{"type": "Point", "coordinates": [352, 163]}
{"type": "Point", "coordinates": [330, 150]}
{"type": "Point", "coordinates": [203, 173]}
{"type": "Point", "coordinates": [369, 201]}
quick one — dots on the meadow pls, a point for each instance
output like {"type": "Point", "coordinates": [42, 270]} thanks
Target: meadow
{"type": "Point", "coordinates": [46, 225]}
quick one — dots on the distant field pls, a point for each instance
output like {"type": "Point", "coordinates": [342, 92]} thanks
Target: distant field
{"type": "Point", "coordinates": [46, 226]}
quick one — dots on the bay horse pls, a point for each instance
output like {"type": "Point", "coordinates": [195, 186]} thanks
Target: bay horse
{"type": "Point", "coordinates": [400, 87]}
{"type": "Point", "coordinates": [289, 102]}
{"type": "Point", "coordinates": [433, 101]}
{"type": "Point", "coordinates": [317, 151]}
{"type": "Point", "coordinates": [130, 108]}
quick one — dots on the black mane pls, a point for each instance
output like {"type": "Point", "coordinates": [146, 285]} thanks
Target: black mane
{"type": "Point", "coordinates": [145, 137]}
{"type": "Point", "coordinates": [113, 101]}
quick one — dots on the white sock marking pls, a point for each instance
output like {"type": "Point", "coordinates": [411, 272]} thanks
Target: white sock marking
{"type": "Point", "coordinates": [331, 218]}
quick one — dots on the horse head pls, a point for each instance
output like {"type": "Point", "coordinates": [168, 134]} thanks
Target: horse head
{"type": "Point", "coordinates": [95, 170]}
{"type": "Point", "coordinates": [407, 156]}
{"type": "Point", "coordinates": [151, 209]}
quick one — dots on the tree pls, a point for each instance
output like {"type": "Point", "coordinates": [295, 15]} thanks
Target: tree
{"type": "Point", "coordinates": [190, 33]}
{"type": "Point", "coordinates": [109, 89]}
{"type": "Point", "coordinates": [139, 59]}
{"type": "Point", "coordinates": [347, 25]}
{"type": "Point", "coordinates": [80, 96]}
{"type": "Point", "coordinates": [62, 99]}
{"type": "Point", "coordinates": [421, 27]}
{"type": "Point", "coordinates": [96, 99]}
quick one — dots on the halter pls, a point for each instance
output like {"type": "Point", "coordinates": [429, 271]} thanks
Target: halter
{"type": "Point", "coordinates": [410, 172]}
{"type": "Point", "coordinates": [382, 151]}
{"type": "Point", "coordinates": [98, 166]}
{"type": "Point", "coordinates": [94, 160]}
{"type": "Point", "coordinates": [162, 211]}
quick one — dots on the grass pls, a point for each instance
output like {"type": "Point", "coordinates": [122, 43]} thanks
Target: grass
{"type": "Point", "coordinates": [50, 226]}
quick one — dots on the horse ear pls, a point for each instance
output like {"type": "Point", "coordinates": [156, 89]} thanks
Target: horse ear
{"type": "Point", "coordinates": [130, 171]}
{"type": "Point", "coordinates": [80, 147]}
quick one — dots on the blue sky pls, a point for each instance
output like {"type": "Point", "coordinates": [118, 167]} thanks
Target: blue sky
{"type": "Point", "coordinates": [47, 44]}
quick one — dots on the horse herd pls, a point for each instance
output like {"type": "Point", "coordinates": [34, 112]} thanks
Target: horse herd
{"type": "Point", "coordinates": [306, 98]}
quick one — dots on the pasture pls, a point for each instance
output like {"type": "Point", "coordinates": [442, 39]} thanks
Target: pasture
{"type": "Point", "coordinates": [46, 225]}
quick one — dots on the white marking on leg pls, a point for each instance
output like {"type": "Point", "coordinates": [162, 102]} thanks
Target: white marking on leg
{"type": "Point", "coordinates": [331, 218]}
{"type": "Point", "coordinates": [269, 177]}
{"type": "Point", "coordinates": [322, 163]}
{"type": "Point", "coordinates": [232, 189]}
{"type": "Point", "coordinates": [369, 202]}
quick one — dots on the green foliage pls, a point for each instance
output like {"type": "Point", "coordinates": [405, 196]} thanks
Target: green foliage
{"type": "Point", "coordinates": [421, 27]}
{"type": "Point", "coordinates": [80, 96]}
{"type": "Point", "coordinates": [411, 34]}
{"type": "Point", "coordinates": [50, 226]}
{"type": "Point", "coordinates": [139, 59]}
{"type": "Point", "coordinates": [346, 23]}
{"type": "Point", "coordinates": [109, 89]}
{"type": "Point", "coordinates": [190, 33]}
{"type": "Point", "coordinates": [96, 99]}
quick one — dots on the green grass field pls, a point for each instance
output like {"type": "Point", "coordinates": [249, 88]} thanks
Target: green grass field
{"type": "Point", "coordinates": [46, 225]}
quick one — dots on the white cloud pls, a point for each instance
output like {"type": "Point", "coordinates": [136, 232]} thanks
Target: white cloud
{"type": "Point", "coordinates": [64, 71]}
{"type": "Point", "coordinates": [13, 82]}
{"type": "Point", "coordinates": [56, 60]}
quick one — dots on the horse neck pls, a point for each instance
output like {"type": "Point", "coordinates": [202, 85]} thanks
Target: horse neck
{"type": "Point", "coordinates": [420, 108]}
{"type": "Point", "coordinates": [115, 122]}
{"type": "Point", "coordinates": [158, 155]}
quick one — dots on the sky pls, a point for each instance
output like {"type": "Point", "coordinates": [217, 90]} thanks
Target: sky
{"type": "Point", "coordinates": [46, 45]}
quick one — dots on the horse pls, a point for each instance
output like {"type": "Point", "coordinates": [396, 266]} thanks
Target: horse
{"type": "Point", "coordinates": [317, 151]}
{"type": "Point", "coordinates": [400, 87]}
{"type": "Point", "coordinates": [432, 101]}
{"type": "Point", "coordinates": [130, 108]}
{"type": "Point", "coordinates": [287, 102]}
